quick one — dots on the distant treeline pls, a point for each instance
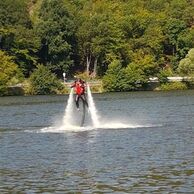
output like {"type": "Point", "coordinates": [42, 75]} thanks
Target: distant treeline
{"type": "Point", "coordinates": [122, 42]}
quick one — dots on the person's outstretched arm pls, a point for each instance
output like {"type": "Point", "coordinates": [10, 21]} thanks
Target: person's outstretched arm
{"type": "Point", "coordinates": [73, 85]}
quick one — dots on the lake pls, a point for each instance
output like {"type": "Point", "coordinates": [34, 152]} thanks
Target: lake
{"type": "Point", "coordinates": [144, 144]}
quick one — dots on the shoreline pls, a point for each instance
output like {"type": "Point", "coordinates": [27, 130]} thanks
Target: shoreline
{"type": "Point", "coordinates": [173, 83]}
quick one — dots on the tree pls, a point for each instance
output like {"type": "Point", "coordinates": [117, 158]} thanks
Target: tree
{"type": "Point", "coordinates": [56, 26]}
{"type": "Point", "coordinates": [185, 42]}
{"type": "Point", "coordinates": [113, 77]}
{"type": "Point", "coordinates": [17, 35]}
{"type": "Point", "coordinates": [118, 78]}
{"type": "Point", "coordinates": [43, 81]}
{"type": "Point", "coordinates": [145, 62]}
{"type": "Point", "coordinates": [143, 31]}
{"type": "Point", "coordinates": [25, 49]}
{"type": "Point", "coordinates": [186, 65]}
{"type": "Point", "coordinates": [174, 27]}
{"type": "Point", "coordinates": [9, 72]}
{"type": "Point", "coordinates": [6, 39]}
{"type": "Point", "coordinates": [99, 34]}
{"type": "Point", "coordinates": [22, 43]}
{"type": "Point", "coordinates": [14, 13]}
{"type": "Point", "coordinates": [135, 78]}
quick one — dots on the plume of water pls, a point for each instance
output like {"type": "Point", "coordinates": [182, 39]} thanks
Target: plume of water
{"type": "Point", "coordinates": [69, 110]}
{"type": "Point", "coordinates": [92, 108]}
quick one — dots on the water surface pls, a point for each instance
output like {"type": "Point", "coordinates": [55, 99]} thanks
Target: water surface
{"type": "Point", "coordinates": [145, 145]}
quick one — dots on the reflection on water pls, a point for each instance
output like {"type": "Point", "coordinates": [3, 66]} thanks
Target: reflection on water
{"type": "Point", "coordinates": [156, 155]}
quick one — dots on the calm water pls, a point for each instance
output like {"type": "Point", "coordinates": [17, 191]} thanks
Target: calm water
{"type": "Point", "coordinates": [147, 146]}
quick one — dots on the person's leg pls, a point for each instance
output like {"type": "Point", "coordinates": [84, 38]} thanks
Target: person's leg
{"type": "Point", "coordinates": [83, 96]}
{"type": "Point", "coordinates": [77, 101]}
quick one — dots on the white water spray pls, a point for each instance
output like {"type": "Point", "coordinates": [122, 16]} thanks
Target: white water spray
{"type": "Point", "coordinates": [92, 108]}
{"type": "Point", "coordinates": [69, 110]}
{"type": "Point", "coordinates": [69, 120]}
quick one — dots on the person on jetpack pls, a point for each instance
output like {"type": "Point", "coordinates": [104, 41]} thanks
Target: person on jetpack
{"type": "Point", "coordinates": [80, 86]}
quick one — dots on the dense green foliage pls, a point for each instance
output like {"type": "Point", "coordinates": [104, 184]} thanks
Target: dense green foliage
{"type": "Point", "coordinates": [123, 42]}
{"type": "Point", "coordinates": [56, 29]}
{"type": "Point", "coordinates": [164, 74]}
{"type": "Point", "coordinates": [43, 81]}
{"type": "Point", "coordinates": [173, 86]}
{"type": "Point", "coordinates": [9, 73]}
{"type": "Point", "coordinates": [186, 65]}
{"type": "Point", "coordinates": [123, 79]}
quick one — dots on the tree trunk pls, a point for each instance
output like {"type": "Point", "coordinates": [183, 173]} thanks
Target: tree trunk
{"type": "Point", "coordinates": [95, 67]}
{"type": "Point", "coordinates": [88, 61]}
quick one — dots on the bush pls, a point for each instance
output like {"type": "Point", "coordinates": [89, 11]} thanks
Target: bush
{"type": "Point", "coordinates": [118, 78]}
{"type": "Point", "coordinates": [65, 90]}
{"type": "Point", "coordinates": [43, 81]}
{"type": "Point", "coordinates": [96, 88]}
{"type": "Point", "coordinates": [9, 73]}
{"type": "Point", "coordinates": [173, 86]}
{"type": "Point", "coordinates": [186, 65]}
{"type": "Point", "coordinates": [164, 74]}
{"type": "Point", "coordinates": [83, 76]}
{"type": "Point", "coordinates": [135, 77]}
{"type": "Point", "coordinates": [113, 77]}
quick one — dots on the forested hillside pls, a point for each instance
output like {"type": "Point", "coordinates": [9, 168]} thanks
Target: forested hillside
{"type": "Point", "coordinates": [124, 42]}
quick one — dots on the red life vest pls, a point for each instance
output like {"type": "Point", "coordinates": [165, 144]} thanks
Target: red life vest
{"type": "Point", "coordinates": [78, 88]}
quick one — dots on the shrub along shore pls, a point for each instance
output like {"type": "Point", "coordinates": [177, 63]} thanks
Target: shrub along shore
{"type": "Point", "coordinates": [97, 87]}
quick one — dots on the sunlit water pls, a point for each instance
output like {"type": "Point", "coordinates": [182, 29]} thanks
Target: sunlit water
{"type": "Point", "coordinates": [144, 144]}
